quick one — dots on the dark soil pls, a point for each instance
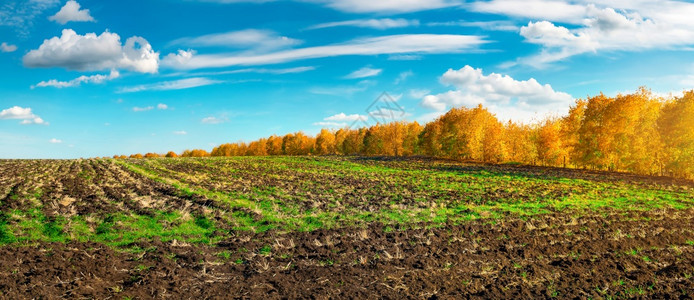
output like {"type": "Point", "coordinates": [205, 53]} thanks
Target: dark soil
{"type": "Point", "coordinates": [552, 256]}
{"type": "Point", "coordinates": [568, 254]}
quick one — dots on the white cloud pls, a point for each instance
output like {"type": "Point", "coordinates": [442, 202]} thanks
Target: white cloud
{"type": "Point", "coordinates": [140, 109]}
{"type": "Point", "coordinates": [20, 113]}
{"type": "Point", "coordinates": [55, 141]}
{"type": "Point", "coordinates": [392, 44]}
{"type": "Point", "coordinates": [342, 117]}
{"type": "Point", "coordinates": [486, 25]}
{"type": "Point", "coordinates": [403, 76]}
{"type": "Point", "coordinates": [503, 95]}
{"type": "Point", "coordinates": [180, 132]}
{"type": "Point", "coordinates": [381, 24]}
{"type": "Point", "coordinates": [341, 120]}
{"type": "Point", "coordinates": [20, 14]}
{"type": "Point", "coordinates": [254, 39]}
{"type": "Point", "coordinates": [90, 52]}
{"type": "Point", "coordinates": [214, 120]}
{"type": "Point", "coordinates": [552, 10]}
{"type": "Point", "coordinates": [367, 6]}
{"type": "Point", "coordinates": [330, 124]}
{"type": "Point", "coordinates": [294, 70]}
{"type": "Point", "coordinates": [4, 47]}
{"type": "Point", "coordinates": [71, 12]}
{"type": "Point", "coordinates": [386, 6]}
{"type": "Point", "coordinates": [162, 106]}
{"type": "Point", "coordinates": [171, 85]}
{"type": "Point", "coordinates": [597, 25]}
{"type": "Point", "coordinates": [418, 94]}
{"type": "Point", "coordinates": [364, 73]}
{"type": "Point", "coordinates": [603, 29]}
{"type": "Point", "coordinates": [405, 57]}
{"type": "Point", "coordinates": [343, 90]}
{"type": "Point", "coordinates": [387, 114]}
{"type": "Point", "coordinates": [98, 78]}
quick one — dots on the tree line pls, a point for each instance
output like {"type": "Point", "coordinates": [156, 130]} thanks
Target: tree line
{"type": "Point", "coordinates": [638, 132]}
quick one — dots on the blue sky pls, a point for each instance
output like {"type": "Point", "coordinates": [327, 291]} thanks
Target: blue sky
{"type": "Point", "coordinates": [96, 78]}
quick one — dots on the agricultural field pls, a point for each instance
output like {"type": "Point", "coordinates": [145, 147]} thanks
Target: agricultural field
{"type": "Point", "coordinates": [339, 227]}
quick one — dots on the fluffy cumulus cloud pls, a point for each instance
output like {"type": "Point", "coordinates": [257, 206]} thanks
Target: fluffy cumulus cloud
{"type": "Point", "coordinates": [172, 85]}
{"type": "Point", "coordinates": [509, 98]}
{"type": "Point", "coordinates": [596, 26]}
{"type": "Point", "coordinates": [55, 141]}
{"type": "Point", "coordinates": [392, 44]}
{"type": "Point", "coordinates": [603, 29]}
{"type": "Point", "coordinates": [98, 78]}
{"type": "Point", "coordinates": [21, 113]}
{"type": "Point", "coordinates": [91, 52]}
{"type": "Point", "coordinates": [364, 73]}
{"type": "Point", "coordinates": [381, 24]}
{"type": "Point", "coordinates": [71, 12]}
{"type": "Point", "coordinates": [255, 39]}
{"type": "Point", "coordinates": [5, 47]}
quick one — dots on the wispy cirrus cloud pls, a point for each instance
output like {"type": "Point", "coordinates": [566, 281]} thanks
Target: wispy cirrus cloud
{"type": "Point", "coordinates": [367, 6]}
{"type": "Point", "coordinates": [255, 40]}
{"type": "Point", "coordinates": [364, 73]}
{"type": "Point", "coordinates": [391, 44]}
{"type": "Point", "coordinates": [180, 84]}
{"type": "Point", "coordinates": [381, 24]}
{"type": "Point", "coordinates": [21, 14]}
{"type": "Point", "coordinates": [98, 78]}
{"type": "Point", "coordinates": [281, 71]}
{"type": "Point", "coordinates": [386, 6]}
{"type": "Point", "coordinates": [214, 120]}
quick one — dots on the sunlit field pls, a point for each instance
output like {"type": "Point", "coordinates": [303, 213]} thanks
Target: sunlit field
{"type": "Point", "coordinates": [342, 226]}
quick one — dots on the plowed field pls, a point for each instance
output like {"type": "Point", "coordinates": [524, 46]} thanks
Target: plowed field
{"type": "Point", "coordinates": [333, 227]}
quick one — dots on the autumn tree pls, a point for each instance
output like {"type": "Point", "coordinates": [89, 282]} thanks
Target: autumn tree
{"type": "Point", "coordinates": [634, 141]}
{"type": "Point", "coordinates": [274, 145]}
{"type": "Point", "coordinates": [195, 153]}
{"type": "Point", "coordinates": [257, 148]}
{"type": "Point", "coordinates": [138, 155]}
{"type": "Point", "coordinates": [676, 127]}
{"type": "Point", "coordinates": [152, 155]}
{"type": "Point", "coordinates": [297, 144]}
{"type": "Point", "coordinates": [171, 154]}
{"type": "Point", "coordinates": [340, 137]}
{"type": "Point", "coordinates": [325, 142]}
{"type": "Point", "coordinates": [410, 143]}
{"type": "Point", "coordinates": [354, 142]}
{"type": "Point", "coordinates": [519, 142]}
{"type": "Point", "coordinates": [571, 125]}
{"type": "Point", "coordinates": [594, 139]}
{"type": "Point", "coordinates": [550, 148]}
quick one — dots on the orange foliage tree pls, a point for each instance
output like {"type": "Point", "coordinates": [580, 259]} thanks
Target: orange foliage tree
{"type": "Point", "coordinates": [636, 132]}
